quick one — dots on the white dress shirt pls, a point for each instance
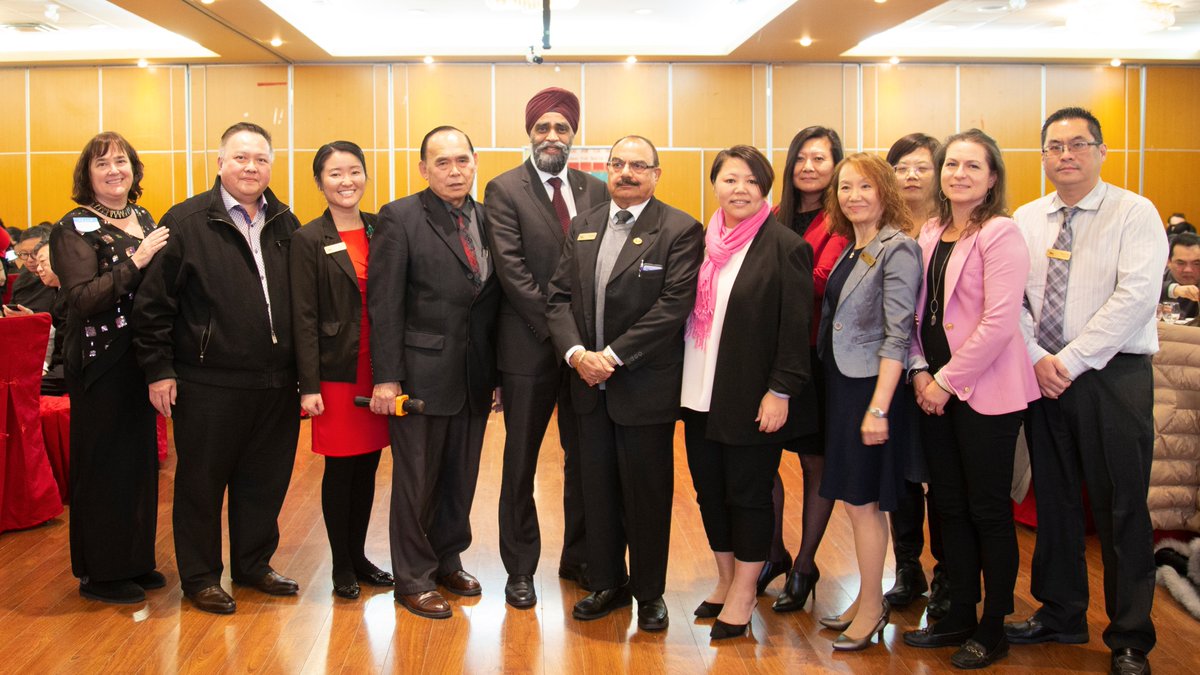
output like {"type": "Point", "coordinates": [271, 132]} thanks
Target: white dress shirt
{"type": "Point", "coordinates": [1118, 254]}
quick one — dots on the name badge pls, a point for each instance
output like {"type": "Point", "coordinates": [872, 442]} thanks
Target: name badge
{"type": "Point", "coordinates": [868, 258]}
{"type": "Point", "coordinates": [1058, 254]}
{"type": "Point", "coordinates": [586, 236]}
{"type": "Point", "coordinates": [86, 224]}
{"type": "Point", "coordinates": [334, 248]}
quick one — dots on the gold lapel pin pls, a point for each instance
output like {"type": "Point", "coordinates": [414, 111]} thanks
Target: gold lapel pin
{"type": "Point", "coordinates": [637, 241]}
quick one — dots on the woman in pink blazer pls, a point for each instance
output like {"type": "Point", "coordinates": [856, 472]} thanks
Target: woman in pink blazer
{"type": "Point", "coordinates": [973, 379]}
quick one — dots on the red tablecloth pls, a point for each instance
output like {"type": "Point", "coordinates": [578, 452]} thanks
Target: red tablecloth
{"type": "Point", "coordinates": [28, 492]}
{"type": "Point", "coordinates": [1025, 512]}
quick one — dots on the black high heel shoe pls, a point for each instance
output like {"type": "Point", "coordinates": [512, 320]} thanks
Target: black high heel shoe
{"type": "Point", "coordinates": [723, 631]}
{"type": "Point", "coordinates": [796, 590]}
{"type": "Point", "coordinates": [709, 610]}
{"type": "Point", "coordinates": [772, 569]}
{"type": "Point", "coordinates": [845, 643]}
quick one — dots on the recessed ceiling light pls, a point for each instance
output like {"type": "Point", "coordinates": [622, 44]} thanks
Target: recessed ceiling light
{"type": "Point", "coordinates": [276, 42]}
{"type": "Point", "coordinates": [805, 41]}
{"type": "Point", "coordinates": [142, 63]}
{"type": "Point", "coordinates": [206, 2]}
{"type": "Point", "coordinates": [51, 12]}
{"type": "Point", "coordinates": [880, 2]}
{"type": "Point", "coordinates": [1115, 63]}
{"type": "Point", "coordinates": [894, 60]}
{"type": "Point", "coordinates": [631, 59]}
{"type": "Point", "coordinates": [428, 59]}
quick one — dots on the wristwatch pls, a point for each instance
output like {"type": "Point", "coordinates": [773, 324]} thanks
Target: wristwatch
{"type": "Point", "coordinates": [877, 412]}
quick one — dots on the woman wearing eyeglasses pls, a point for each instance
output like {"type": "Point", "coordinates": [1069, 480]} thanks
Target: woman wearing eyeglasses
{"type": "Point", "coordinates": [863, 342]}
{"type": "Point", "coordinates": [747, 386]}
{"type": "Point", "coordinates": [973, 379]}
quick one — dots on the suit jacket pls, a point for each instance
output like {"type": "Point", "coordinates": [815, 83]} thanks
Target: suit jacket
{"type": "Point", "coordinates": [526, 240]}
{"type": "Point", "coordinates": [875, 312]}
{"type": "Point", "coordinates": [1188, 309]}
{"type": "Point", "coordinates": [644, 309]}
{"type": "Point", "coordinates": [326, 305]}
{"type": "Point", "coordinates": [431, 329]}
{"type": "Point", "coordinates": [984, 288]}
{"type": "Point", "coordinates": [765, 341]}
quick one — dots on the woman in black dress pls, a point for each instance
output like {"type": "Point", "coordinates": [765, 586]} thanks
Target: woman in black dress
{"type": "Point", "coordinates": [99, 251]}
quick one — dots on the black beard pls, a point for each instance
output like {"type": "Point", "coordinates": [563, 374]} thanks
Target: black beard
{"type": "Point", "coordinates": [551, 164]}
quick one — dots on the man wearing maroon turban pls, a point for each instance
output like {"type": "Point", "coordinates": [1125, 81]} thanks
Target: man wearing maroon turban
{"type": "Point", "coordinates": [529, 208]}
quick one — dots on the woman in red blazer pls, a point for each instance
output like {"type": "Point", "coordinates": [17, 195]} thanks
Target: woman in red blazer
{"type": "Point", "coordinates": [973, 379]}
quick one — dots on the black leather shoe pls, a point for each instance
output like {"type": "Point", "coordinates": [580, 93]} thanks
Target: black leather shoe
{"type": "Point", "coordinates": [576, 573]}
{"type": "Point", "coordinates": [375, 577]}
{"type": "Point", "coordinates": [709, 610]}
{"type": "Point", "coordinates": [213, 599]}
{"type": "Point", "coordinates": [772, 569]}
{"type": "Point", "coordinates": [652, 614]}
{"type": "Point", "coordinates": [974, 655]}
{"type": "Point", "coordinates": [928, 638]}
{"type": "Point", "coordinates": [910, 584]}
{"type": "Point", "coordinates": [519, 592]}
{"type": "Point", "coordinates": [271, 583]}
{"type": "Point", "coordinates": [602, 603]}
{"type": "Point", "coordinates": [150, 580]}
{"type": "Point", "coordinates": [348, 591]}
{"type": "Point", "coordinates": [796, 590]}
{"type": "Point", "coordinates": [939, 595]}
{"type": "Point", "coordinates": [1129, 661]}
{"type": "Point", "coordinates": [115, 592]}
{"type": "Point", "coordinates": [1033, 632]}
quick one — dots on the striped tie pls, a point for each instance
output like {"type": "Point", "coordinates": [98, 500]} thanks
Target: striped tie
{"type": "Point", "coordinates": [1054, 302]}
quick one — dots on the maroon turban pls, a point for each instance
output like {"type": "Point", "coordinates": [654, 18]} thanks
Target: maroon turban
{"type": "Point", "coordinates": [552, 99]}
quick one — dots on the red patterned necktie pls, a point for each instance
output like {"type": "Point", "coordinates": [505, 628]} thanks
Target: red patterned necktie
{"type": "Point", "coordinates": [560, 204]}
{"type": "Point", "coordinates": [468, 245]}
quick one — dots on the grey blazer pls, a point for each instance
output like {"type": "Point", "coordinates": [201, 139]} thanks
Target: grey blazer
{"type": "Point", "coordinates": [877, 306]}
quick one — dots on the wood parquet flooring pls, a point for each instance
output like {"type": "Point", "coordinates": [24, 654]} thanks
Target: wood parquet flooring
{"type": "Point", "coordinates": [46, 627]}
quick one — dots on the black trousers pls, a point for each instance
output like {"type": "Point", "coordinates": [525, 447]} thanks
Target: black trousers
{"type": "Point", "coordinates": [529, 401]}
{"type": "Point", "coordinates": [243, 440]}
{"type": "Point", "coordinates": [113, 480]}
{"type": "Point", "coordinates": [970, 459]}
{"type": "Point", "coordinates": [1099, 432]}
{"type": "Point", "coordinates": [908, 527]}
{"type": "Point", "coordinates": [733, 489]}
{"type": "Point", "coordinates": [629, 481]}
{"type": "Point", "coordinates": [347, 494]}
{"type": "Point", "coordinates": [435, 466]}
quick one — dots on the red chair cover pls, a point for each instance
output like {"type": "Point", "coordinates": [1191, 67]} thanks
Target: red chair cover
{"type": "Point", "coordinates": [1025, 512]}
{"type": "Point", "coordinates": [28, 493]}
{"type": "Point", "coordinates": [56, 432]}
{"type": "Point", "coordinates": [162, 438]}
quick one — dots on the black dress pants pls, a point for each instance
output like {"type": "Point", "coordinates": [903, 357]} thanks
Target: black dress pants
{"type": "Point", "coordinates": [733, 489]}
{"type": "Point", "coordinates": [435, 466]}
{"type": "Point", "coordinates": [347, 494]}
{"type": "Point", "coordinates": [970, 459]}
{"type": "Point", "coordinates": [1100, 431]}
{"type": "Point", "coordinates": [629, 482]}
{"type": "Point", "coordinates": [529, 401]}
{"type": "Point", "coordinates": [908, 527]}
{"type": "Point", "coordinates": [243, 440]}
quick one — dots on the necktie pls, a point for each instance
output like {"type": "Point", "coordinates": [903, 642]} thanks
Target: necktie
{"type": "Point", "coordinates": [1054, 301]}
{"type": "Point", "coordinates": [468, 246]}
{"type": "Point", "coordinates": [560, 204]}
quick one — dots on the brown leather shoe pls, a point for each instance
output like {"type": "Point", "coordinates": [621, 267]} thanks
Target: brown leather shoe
{"type": "Point", "coordinates": [272, 583]}
{"type": "Point", "coordinates": [460, 583]}
{"type": "Point", "coordinates": [429, 604]}
{"type": "Point", "coordinates": [213, 599]}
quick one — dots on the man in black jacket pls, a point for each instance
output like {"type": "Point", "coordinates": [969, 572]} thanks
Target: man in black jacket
{"type": "Point", "coordinates": [212, 325]}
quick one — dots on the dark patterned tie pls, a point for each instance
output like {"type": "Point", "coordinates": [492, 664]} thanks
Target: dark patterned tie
{"type": "Point", "coordinates": [560, 204]}
{"type": "Point", "coordinates": [1054, 301]}
{"type": "Point", "coordinates": [468, 246]}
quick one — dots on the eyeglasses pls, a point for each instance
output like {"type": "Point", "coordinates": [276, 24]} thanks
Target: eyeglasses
{"type": "Point", "coordinates": [26, 256]}
{"type": "Point", "coordinates": [1056, 149]}
{"type": "Point", "coordinates": [618, 165]}
{"type": "Point", "coordinates": [918, 169]}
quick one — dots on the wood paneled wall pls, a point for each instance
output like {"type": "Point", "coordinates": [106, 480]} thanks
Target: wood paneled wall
{"type": "Point", "coordinates": [174, 116]}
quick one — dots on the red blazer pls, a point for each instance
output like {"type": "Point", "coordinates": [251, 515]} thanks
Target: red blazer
{"type": "Point", "coordinates": [827, 248]}
{"type": "Point", "coordinates": [985, 283]}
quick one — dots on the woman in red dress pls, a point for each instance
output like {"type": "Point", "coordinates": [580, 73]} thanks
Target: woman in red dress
{"type": "Point", "coordinates": [329, 307]}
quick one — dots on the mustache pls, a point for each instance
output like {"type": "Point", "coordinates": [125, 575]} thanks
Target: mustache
{"type": "Point", "coordinates": [551, 144]}
{"type": "Point", "coordinates": [627, 182]}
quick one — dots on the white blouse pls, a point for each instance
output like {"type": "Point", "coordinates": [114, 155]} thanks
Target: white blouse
{"type": "Point", "coordinates": [699, 365]}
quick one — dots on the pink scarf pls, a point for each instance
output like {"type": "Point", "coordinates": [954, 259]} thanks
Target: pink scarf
{"type": "Point", "coordinates": [720, 243]}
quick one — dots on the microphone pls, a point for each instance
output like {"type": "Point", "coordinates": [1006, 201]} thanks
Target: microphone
{"type": "Point", "coordinates": [404, 404]}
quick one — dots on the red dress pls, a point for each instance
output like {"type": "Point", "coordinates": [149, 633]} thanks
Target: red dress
{"type": "Point", "coordinates": [345, 430]}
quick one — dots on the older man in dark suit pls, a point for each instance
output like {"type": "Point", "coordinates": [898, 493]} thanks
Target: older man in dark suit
{"type": "Point", "coordinates": [623, 289]}
{"type": "Point", "coordinates": [432, 300]}
{"type": "Point", "coordinates": [529, 209]}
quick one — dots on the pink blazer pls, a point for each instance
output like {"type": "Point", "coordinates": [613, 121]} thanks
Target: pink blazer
{"type": "Point", "coordinates": [989, 366]}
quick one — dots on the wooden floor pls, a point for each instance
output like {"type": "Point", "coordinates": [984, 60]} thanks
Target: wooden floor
{"type": "Point", "coordinates": [46, 627]}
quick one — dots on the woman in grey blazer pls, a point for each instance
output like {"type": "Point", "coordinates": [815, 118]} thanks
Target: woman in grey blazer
{"type": "Point", "coordinates": [863, 345]}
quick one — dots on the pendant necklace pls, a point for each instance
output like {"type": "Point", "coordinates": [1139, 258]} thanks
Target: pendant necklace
{"type": "Point", "coordinates": [938, 283]}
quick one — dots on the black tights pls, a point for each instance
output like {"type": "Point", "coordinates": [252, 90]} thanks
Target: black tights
{"type": "Point", "coordinates": [816, 513]}
{"type": "Point", "coordinates": [347, 493]}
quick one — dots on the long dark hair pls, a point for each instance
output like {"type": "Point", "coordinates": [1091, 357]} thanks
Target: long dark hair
{"type": "Point", "coordinates": [790, 199]}
{"type": "Point", "coordinates": [995, 203]}
{"type": "Point", "coordinates": [81, 190]}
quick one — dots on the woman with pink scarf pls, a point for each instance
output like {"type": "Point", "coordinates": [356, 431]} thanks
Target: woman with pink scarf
{"type": "Point", "coordinates": [747, 389]}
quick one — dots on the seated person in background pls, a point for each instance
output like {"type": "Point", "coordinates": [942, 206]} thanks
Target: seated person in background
{"type": "Point", "coordinates": [1183, 271]}
{"type": "Point", "coordinates": [1178, 224]}
{"type": "Point", "coordinates": [52, 368]}
{"type": "Point", "coordinates": [28, 289]}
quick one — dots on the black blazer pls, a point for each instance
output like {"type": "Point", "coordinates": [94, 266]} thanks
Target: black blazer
{"type": "Point", "coordinates": [765, 341]}
{"type": "Point", "coordinates": [431, 329]}
{"type": "Point", "coordinates": [526, 240]}
{"type": "Point", "coordinates": [326, 305]}
{"type": "Point", "coordinates": [644, 309]}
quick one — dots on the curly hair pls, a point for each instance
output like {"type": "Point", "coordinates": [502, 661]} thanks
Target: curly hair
{"type": "Point", "coordinates": [882, 177]}
{"type": "Point", "coordinates": [81, 190]}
